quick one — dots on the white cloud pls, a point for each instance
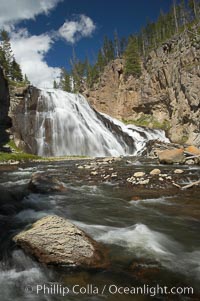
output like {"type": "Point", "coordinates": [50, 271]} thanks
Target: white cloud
{"type": "Point", "coordinates": [30, 53]}
{"type": "Point", "coordinates": [14, 11]}
{"type": "Point", "coordinates": [73, 31]}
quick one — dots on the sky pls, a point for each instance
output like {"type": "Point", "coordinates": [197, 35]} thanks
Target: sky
{"type": "Point", "coordinates": [44, 33]}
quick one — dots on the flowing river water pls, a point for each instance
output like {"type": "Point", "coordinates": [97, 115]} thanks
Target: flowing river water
{"type": "Point", "coordinates": [150, 239]}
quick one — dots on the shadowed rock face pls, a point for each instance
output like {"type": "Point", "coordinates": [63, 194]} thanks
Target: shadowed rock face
{"type": "Point", "coordinates": [5, 122]}
{"type": "Point", "coordinates": [54, 240]}
{"type": "Point", "coordinates": [22, 111]}
{"type": "Point", "coordinates": [4, 99]}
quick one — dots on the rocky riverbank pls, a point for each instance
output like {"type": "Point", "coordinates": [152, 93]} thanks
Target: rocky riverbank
{"type": "Point", "coordinates": [153, 179]}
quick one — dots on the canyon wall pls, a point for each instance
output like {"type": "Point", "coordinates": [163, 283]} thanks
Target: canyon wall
{"type": "Point", "coordinates": [167, 94]}
{"type": "Point", "coordinates": [5, 121]}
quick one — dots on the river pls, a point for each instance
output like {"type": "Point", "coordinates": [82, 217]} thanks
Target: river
{"type": "Point", "coordinates": [150, 240]}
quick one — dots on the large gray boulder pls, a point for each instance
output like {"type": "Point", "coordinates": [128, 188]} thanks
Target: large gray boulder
{"type": "Point", "coordinates": [55, 240]}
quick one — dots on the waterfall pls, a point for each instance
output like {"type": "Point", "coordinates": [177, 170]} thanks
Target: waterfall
{"type": "Point", "coordinates": [67, 125]}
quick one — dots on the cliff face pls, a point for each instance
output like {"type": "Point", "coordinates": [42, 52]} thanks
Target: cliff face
{"type": "Point", "coordinates": [4, 108]}
{"type": "Point", "coordinates": [167, 93]}
{"type": "Point", "coordinates": [22, 112]}
{"type": "Point", "coordinates": [4, 100]}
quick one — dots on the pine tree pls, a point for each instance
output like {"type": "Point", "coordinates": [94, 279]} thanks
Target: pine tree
{"type": "Point", "coordinates": [92, 75]}
{"type": "Point", "coordinates": [26, 80]}
{"type": "Point", "coordinates": [193, 4]}
{"type": "Point", "coordinates": [175, 15]}
{"type": "Point", "coordinates": [117, 45]}
{"type": "Point", "coordinates": [101, 62]}
{"type": "Point", "coordinates": [8, 54]}
{"type": "Point", "coordinates": [108, 50]}
{"type": "Point", "coordinates": [79, 73]}
{"type": "Point", "coordinates": [2, 58]}
{"type": "Point", "coordinates": [132, 58]}
{"type": "Point", "coordinates": [65, 81]}
{"type": "Point", "coordinates": [123, 44]}
{"type": "Point", "coordinates": [15, 72]}
{"type": "Point", "coordinates": [55, 85]}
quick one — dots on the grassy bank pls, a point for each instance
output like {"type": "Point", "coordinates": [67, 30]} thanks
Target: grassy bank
{"type": "Point", "coordinates": [17, 155]}
{"type": "Point", "coordinates": [149, 121]}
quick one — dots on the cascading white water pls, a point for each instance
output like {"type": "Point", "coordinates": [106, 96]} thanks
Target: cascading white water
{"type": "Point", "coordinates": [67, 125]}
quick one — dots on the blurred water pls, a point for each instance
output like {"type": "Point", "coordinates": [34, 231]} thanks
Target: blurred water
{"type": "Point", "coordinates": [162, 231]}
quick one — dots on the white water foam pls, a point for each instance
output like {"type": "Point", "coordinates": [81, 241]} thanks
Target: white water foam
{"type": "Point", "coordinates": [24, 273]}
{"type": "Point", "coordinates": [143, 242]}
{"type": "Point", "coordinates": [162, 200]}
{"type": "Point", "coordinates": [15, 183]}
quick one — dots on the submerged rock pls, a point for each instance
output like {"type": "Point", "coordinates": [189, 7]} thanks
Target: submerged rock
{"type": "Point", "coordinates": [55, 240]}
{"type": "Point", "coordinates": [145, 269]}
{"type": "Point", "coordinates": [40, 182]}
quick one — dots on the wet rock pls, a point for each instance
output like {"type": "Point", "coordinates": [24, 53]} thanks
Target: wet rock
{"type": "Point", "coordinates": [40, 182]}
{"type": "Point", "coordinates": [13, 162]}
{"type": "Point", "coordinates": [190, 162]}
{"type": "Point", "coordinates": [178, 171]}
{"type": "Point", "coordinates": [130, 180]}
{"type": "Point", "coordinates": [87, 166]}
{"type": "Point", "coordinates": [54, 240]}
{"type": "Point", "coordinates": [144, 268]}
{"type": "Point", "coordinates": [171, 156]}
{"type": "Point", "coordinates": [144, 182]}
{"type": "Point", "coordinates": [139, 174]}
{"type": "Point", "coordinates": [192, 150]}
{"type": "Point", "coordinates": [155, 171]}
{"type": "Point", "coordinates": [106, 177]}
{"type": "Point", "coordinates": [94, 173]}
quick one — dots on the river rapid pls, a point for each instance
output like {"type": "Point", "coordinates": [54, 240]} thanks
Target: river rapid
{"type": "Point", "coordinates": [151, 238]}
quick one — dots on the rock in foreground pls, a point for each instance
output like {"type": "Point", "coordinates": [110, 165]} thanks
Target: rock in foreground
{"type": "Point", "coordinates": [54, 240]}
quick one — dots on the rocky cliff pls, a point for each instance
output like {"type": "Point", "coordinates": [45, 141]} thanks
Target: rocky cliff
{"type": "Point", "coordinates": [4, 109]}
{"type": "Point", "coordinates": [166, 95]}
{"type": "Point", "coordinates": [23, 109]}
{"type": "Point", "coordinates": [4, 99]}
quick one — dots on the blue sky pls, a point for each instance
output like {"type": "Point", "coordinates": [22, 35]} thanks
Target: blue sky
{"type": "Point", "coordinates": [43, 32]}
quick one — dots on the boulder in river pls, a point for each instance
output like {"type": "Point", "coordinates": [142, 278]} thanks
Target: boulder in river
{"type": "Point", "coordinates": [155, 171]}
{"type": "Point", "coordinates": [171, 156]}
{"type": "Point", "coordinates": [55, 240]}
{"type": "Point", "coordinates": [44, 183]}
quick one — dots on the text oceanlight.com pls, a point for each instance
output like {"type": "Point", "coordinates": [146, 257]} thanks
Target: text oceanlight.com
{"type": "Point", "coordinates": [108, 289]}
